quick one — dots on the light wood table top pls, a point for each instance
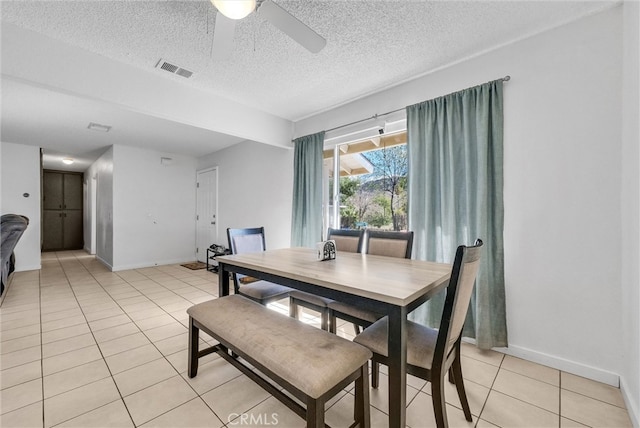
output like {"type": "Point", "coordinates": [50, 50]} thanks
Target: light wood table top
{"type": "Point", "coordinates": [385, 279]}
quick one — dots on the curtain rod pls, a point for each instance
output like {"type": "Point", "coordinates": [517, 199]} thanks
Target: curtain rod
{"type": "Point", "coordinates": [375, 116]}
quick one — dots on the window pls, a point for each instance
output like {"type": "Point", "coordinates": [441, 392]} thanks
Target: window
{"type": "Point", "coordinates": [372, 183]}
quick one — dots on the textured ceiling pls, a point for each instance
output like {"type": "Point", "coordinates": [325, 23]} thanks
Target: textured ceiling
{"type": "Point", "coordinates": [370, 44]}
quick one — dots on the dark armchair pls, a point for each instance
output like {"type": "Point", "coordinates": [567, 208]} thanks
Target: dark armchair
{"type": "Point", "coordinates": [12, 227]}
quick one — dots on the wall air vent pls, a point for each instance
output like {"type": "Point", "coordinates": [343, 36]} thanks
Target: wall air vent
{"type": "Point", "coordinates": [174, 69]}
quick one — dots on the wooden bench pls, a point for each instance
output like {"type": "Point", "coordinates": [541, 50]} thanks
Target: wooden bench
{"type": "Point", "coordinates": [311, 364]}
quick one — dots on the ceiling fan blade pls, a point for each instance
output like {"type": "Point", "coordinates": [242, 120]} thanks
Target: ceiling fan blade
{"type": "Point", "coordinates": [291, 26]}
{"type": "Point", "coordinates": [223, 37]}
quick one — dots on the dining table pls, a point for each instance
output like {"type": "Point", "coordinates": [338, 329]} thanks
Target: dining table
{"type": "Point", "coordinates": [385, 285]}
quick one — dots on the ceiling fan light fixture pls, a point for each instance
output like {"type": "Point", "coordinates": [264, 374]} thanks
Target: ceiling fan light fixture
{"type": "Point", "coordinates": [235, 9]}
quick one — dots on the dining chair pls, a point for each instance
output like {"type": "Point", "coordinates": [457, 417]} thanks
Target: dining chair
{"type": "Point", "coordinates": [347, 240]}
{"type": "Point", "coordinates": [251, 240]}
{"type": "Point", "coordinates": [379, 243]}
{"type": "Point", "coordinates": [431, 353]}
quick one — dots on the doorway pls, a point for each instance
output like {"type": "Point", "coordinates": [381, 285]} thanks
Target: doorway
{"type": "Point", "coordinates": [62, 201]}
{"type": "Point", "coordinates": [206, 211]}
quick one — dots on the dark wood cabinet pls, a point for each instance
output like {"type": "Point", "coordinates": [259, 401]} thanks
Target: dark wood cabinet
{"type": "Point", "coordinates": [62, 211]}
{"type": "Point", "coordinates": [52, 191]}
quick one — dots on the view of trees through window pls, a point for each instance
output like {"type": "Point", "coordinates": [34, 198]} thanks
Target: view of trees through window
{"type": "Point", "coordinates": [377, 199]}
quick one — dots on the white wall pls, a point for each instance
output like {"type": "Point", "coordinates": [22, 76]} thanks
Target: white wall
{"type": "Point", "coordinates": [21, 174]}
{"type": "Point", "coordinates": [255, 184]}
{"type": "Point", "coordinates": [102, 170]}
{"type": "Point", "coordinates": [89, 193]}
{"type": "Point", "coordinates": [630, 371]}
{"type": "Point", "coordinates": [153, 208]}
{"type": "Point", "coordinates": [562, 185]}
{"type": "Point", "coordinates": [562, 197]}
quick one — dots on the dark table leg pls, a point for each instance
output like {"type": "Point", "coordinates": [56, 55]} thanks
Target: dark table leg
{"type": "Point", "coordinates": [194, 337]}
{"type": "Point", "coordinates": [223, 280]}
{"type": "Point", "coordinates": [223, 286]}
{"type": "Point", "coordinates": [397, 367]}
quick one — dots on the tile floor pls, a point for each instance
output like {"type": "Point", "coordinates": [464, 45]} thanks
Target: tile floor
{"type": "Point", "coordinates": [85, 347]}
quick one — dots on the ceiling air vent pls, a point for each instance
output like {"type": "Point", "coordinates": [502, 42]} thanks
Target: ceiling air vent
{"type": "Point", "coordinates": [174, 69]}
{"type": "Point", "coordinates": [184, 73]}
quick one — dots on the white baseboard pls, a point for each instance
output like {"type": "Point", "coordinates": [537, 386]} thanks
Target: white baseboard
{"type": "Point", "coordinates": [632, 405]}
{"type": "Point", "coordinates": [150, 264]}
{"type": "Point", "coordinates": [558, 363]}
{"type": "Point", "coordinates": [104, 262]}
{"type": "Point", "coordinates": [28, 267]}
{"type": "Point", "coordinates": [114, 268]}
{"type": "Point", "coordinates": [565, 365]}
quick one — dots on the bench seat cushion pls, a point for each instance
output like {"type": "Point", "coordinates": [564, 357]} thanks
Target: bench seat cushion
{"type": "Point", "coordinates": [310, 359]}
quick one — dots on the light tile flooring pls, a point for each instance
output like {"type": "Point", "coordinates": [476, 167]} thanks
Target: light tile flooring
{"type": "Point", "coordinates": [85, 347]}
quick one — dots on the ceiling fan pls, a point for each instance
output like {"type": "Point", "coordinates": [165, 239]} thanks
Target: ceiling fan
{"type": "Point", "coordinates": [229, 11]}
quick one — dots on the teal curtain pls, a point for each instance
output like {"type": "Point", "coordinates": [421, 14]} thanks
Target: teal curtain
{"type": "Point", "coordinates": [455, 182]}
{"type": "Point", "coordinates": [306, 218]}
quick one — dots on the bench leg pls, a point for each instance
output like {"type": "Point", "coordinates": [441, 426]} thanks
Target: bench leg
{"type": "Point", "coordinates": [293, 308]}
{"type": "Point", "coordinates": [324, 317]}
{"type": "Point", "coordinates": [333, 323]}
{"type": "Point", "coordinates": [315, 413]}
{"type": "Point", "coordinates": [194, 337]}
{"type": "Point", "coordinates": [362, 409]}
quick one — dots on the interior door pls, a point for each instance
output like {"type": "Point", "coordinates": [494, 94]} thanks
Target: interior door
{"type": "Point", "coordinates": [52, 231]}
{"type": "Point", "coordinates": [52, 193]}
{"type": "Point", "coordinates": [62, 200]}
{"type": "Point", "coordinates": [207, 214]}
{"type": "Point", "coordinates": [72, 192]}
{"type": "Point", "coordinates": [72, 226]}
